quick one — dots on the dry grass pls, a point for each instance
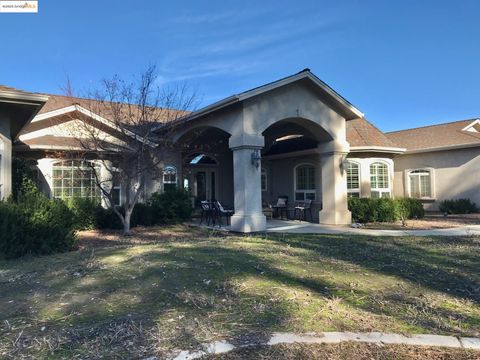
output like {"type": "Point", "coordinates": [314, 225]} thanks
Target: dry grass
{"type": "Point", "coordinates": [175, 288]}
{"type": "Point", "coordinates": [344, 351]}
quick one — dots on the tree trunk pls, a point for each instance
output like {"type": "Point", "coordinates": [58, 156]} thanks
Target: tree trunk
{"type": "Point", "coordinates": [126, 222]}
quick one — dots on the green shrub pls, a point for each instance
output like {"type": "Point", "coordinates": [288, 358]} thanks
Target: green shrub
{"type": "Point", "coordinates": [366, 210]}
{"type": "Point", "coordinates": [172, 206]}
{"type": "Point", "coordinates": [458, 206]}
{"type": "Point", "coordinates": [36, 225]}
{"type": "Point", "coordinates": [107, 219]}
{"type": "Point", "coordinates": [24, 179]}
{"type": "Point", "coordinates": [86, 213]}
{"type": "Point", "coordinates": [407, 208]}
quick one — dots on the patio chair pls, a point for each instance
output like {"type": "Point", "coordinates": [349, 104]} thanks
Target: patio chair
{"type": "Point", "coordinates": [220, 212]}
{"type": "Point", "coordinates": [302, 209]}
{"type": "Point", "coordinates": [207, 212]}
{"type": "Point", "coordinates": [281, 206]}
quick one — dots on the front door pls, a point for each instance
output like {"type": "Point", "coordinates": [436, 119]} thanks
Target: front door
{"type": "Point", "coordinates": [204, 185]}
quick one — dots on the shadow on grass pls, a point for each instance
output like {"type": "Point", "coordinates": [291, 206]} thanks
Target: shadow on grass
{"type": "Point", "coordinates": [188, 292]}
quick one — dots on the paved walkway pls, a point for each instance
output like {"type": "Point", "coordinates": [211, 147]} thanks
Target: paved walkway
{"type": "Point", "coordinates": [301, 227]}
{"type": "Point", "coordinates": [220, 347]}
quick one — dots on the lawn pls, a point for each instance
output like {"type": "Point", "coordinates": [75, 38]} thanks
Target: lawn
{"type": "Point", "coordinates": [178, 287]}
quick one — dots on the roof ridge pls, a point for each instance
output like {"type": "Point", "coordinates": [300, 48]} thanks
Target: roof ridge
{"type": "Point", "coordinates": [433, 125]}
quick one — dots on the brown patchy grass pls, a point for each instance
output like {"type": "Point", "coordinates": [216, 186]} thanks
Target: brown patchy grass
{"type": "Point", "coordinates": [178, 287]}
{"type": "Point", "coordinates": [348, 350]}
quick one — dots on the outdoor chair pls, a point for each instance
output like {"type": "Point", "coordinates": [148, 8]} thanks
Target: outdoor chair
{"type": "Point", "coordinates": [208, 212]}
{"type": "Point", "coordinates": [302, 209]}
{"type": "Point", "coordinates": [220, 212]}
{"type": "Point", "coordinates": [281, 206]}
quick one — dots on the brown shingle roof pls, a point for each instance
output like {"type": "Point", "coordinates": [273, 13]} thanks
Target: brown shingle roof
{"type": "Point", "coordinates": [362, 133]}
{"type": "Point", "coordinates": [435, 136]}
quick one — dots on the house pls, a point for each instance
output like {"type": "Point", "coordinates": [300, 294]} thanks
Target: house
{"type": "Point", "coordinates": [294, 137]}
{"type": "Point", "coordinates": [17, 108]}
{"type": "Point", "coordinates": [440, 162]}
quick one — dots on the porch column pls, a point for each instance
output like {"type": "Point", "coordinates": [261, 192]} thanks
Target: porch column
{"type": "Point", "coordinates": [334, 186]}
{"type": "Point", "coordinates": [248, 215]}
{"type": "Point", "coordinates": [5, 167]}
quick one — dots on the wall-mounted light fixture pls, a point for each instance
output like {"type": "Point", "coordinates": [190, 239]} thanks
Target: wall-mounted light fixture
{"type": "Point", "coordinates": [255, 157]}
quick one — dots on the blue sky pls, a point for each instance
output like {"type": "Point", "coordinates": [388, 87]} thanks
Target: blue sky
{"type": "Point", "coordinates": [403, 63]}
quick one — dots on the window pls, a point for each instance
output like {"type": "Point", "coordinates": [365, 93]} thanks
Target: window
{"type": "Point", "coordinates": [74, 178]}
{"type": "Point", "coordinates": [264, 179]}
{"type": "Point", "coordinates": [353, 179]}
{"type": "Point", "coordinates": [379, 180]}
{"type": "Point", "coordinates": [116, 185]}
{"type": "Point", "coordinates": [305, 183]}
{"type": "Point", "coordinates": [420, 184]}
{"type": "Point", "coordinates": [169, 178]}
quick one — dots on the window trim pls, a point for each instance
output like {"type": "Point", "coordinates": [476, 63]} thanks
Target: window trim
{"type": "Point", "coordinates": [359, 189]}
{"type": "Point", "coordinates": [264, 172]}
{"type": "Point", "coordinates": [305, 192]}
{"type": "Point", "coordinates": [60, 163]}
{"type": "Point", "coordinates": [432, 182]}
{"type": "Point", "coordinates": [381, 191]}
{"type": "Point", "coordinates": [164, 172]}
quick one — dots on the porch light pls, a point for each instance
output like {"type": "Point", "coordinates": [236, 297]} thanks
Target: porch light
{"type": "Point", "coordinates": [256, 158]}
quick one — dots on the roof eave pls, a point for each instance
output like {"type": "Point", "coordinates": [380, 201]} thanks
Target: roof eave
{"type": "Point", "coordinates": [382, 149]}
{"type": "Point", "coordinates": [443, 148]}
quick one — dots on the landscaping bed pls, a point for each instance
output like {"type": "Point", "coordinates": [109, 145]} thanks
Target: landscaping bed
{"type": "Point", "coordinates": [429, 222]}
{"type": "Point", "coordinates": [165, 289]}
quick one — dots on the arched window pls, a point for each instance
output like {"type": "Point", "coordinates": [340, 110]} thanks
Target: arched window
{"type": "Point", "coordinates": [420, 184]}
{"type": "Point", "coordinates": [379, 180]}
{"type": "Point", "coordinates": [75, 179]}
{"type": "Point", "coordinates": [353, 179]}
{"type": "Point", "coordinates": [305, 182]}
{"type": "Point", "coordinates": [169, 177]}
{"type": "Point", "coordinates": [264, 179]}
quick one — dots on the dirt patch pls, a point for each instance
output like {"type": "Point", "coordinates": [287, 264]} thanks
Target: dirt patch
{"type": "Point", "coordinates": [431, 221]}
{"type": "Point", "coordinates": [346, 350]}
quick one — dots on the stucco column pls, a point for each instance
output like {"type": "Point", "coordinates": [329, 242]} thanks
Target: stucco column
{"type": "Point", "coordinates": [5, 167]}
{"type": "Point", "coordinates": [334, 186]}
{"type": "Point", "coordinates": [248, 215]}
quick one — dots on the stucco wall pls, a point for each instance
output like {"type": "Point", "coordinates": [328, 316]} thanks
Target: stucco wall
{"type": "Point", "coordinates": [456, 174]}
{"type": "Point", "coordinates": [5, 159]}
{"type": "Point", "coordinates": [280, 179]}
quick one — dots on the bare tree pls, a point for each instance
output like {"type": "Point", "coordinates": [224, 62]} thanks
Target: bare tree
{"type": "Point", "coordinates": [126, 127]}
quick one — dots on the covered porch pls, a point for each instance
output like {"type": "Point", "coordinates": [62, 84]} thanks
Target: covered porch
{"type": "Point", "coordinates": [286, 140]}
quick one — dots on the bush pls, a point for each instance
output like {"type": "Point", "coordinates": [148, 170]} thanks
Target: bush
{"type": "Point", "coordinates": [86, 213]}
{"type": "Point", "coordinates": [171, 206]}
{"type": "Point", "coordinates": [24, 179]}
{"type": "Point", "coordinates": [458, 206]}
{"type": "Point", "coordinates": [384, 210]}
{"type": "Point", "coordinates": [36, 225]}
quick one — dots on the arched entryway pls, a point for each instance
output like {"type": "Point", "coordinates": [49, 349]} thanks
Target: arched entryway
{"type": "Point", "coordinates": [207, 165]}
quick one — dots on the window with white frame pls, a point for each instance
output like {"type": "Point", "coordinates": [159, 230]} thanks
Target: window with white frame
{"type": "Point", "coordinates": [420, 184]}
{"type": "Point", "coordinates": [75, 179]}
{"type": "Point", "coordinates": [264, 179]}
{"type": "Point", "coordinates": [379, 180]}
{"type": "Point", "coordinates": [305, 182]}
{"type": "Point", "coordinates": [169, 177]}
{"type": "Point", "coordinates": [353, 179]}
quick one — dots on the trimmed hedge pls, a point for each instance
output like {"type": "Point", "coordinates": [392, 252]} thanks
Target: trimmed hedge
{"type": "Point", "coordinates": [458, 206]}
{"type": "Point", "coordinates": [169, 207]}
{"type": "Point", "coordinates": [36, 225]}
{"type": "Point", "coordinates": [366, 210]}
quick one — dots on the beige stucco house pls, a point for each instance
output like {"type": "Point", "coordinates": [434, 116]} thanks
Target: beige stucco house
{"type": "Point", "coordinates": [295, 137]}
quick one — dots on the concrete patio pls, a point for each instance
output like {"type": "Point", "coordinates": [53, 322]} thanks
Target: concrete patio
{"type": "Point", "coordinates": [303, 227]}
